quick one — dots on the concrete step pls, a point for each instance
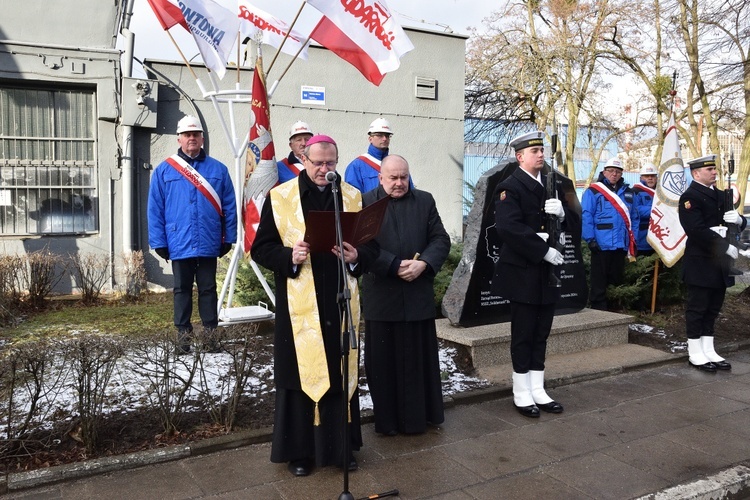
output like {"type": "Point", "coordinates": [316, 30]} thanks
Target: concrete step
{"type": "Point", "coordinates": [564, 369]}
{"type": "Point", "coordinates": [571, 333]}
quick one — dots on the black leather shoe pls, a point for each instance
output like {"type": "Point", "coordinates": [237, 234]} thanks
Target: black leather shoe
{"type": "Point", "coordinates": [551, 407]}
{"type": "Point", "coordinates": [706, 367]}
{"type": "Point", "coordinates": [528, 411]}
{"type": "Point", "coordinates": [722, 365]}
{"type": "Point", "coordinates": [299, 467]}
{"type": "Point", "coordinates": [352, 465]}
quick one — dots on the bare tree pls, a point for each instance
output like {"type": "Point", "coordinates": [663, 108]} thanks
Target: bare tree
{"type": "Point", "coordinates": [538, 58]}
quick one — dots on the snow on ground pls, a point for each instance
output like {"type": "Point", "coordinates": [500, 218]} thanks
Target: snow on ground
{"type": "Point", "coordinates": [132, 377]}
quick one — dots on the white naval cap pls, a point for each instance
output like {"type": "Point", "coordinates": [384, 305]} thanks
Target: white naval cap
{"type": "Point", "coordinates": [703, 161]}
{"type": "Point", "coordinates": [527, 140]}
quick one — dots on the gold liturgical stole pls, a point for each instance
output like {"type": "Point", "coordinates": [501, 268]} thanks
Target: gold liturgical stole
{"type": "Point", "coordinates": [303, 307]}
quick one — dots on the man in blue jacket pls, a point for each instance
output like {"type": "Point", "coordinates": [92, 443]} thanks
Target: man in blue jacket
{"type": "Point", "coordinates": [192, 219]}
{"type": "Point", "coordinates": [610, 223]}
{"type": "Point", "coordinates": [643, 199]}
{"type": "Point", "coordinates": [362, 172]}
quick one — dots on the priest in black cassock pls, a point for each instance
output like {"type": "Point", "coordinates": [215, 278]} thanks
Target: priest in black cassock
{"type": "Point", "coordinates": [401, 349]}
{"type": "Point", "coordinates": [308, 422]}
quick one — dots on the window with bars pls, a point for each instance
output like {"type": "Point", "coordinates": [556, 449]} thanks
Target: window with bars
{"type": "Point", "coordinates": [48, 165]}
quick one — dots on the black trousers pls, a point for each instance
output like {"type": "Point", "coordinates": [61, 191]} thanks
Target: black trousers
{"type": "Point", "coordinates": [530, 325]}
{"type": "Point", "coordinates": [701, 309]}
{"type": "Point", "coordinates": [607, 267]}
{"type": "Point", "coordinates": [201, 271]}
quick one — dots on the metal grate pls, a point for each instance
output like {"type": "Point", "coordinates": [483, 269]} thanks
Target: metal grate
{"type": "Point", "coordinates": [48, 166]}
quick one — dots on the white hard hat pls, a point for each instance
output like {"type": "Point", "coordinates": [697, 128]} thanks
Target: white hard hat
{"type": "Point", "coordinates": [380, 125]}
{"type": "Point", "coordinates": [189, 124]}
{"type": "Point", "coordinates": [614, 162]}
{"type": "Point", "coordinates": [300, 127]}
{"type": "Point", "coordinates": [649, 168]}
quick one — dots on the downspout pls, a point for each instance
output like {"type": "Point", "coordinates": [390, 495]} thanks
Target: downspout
{"type": "Point", "coordinates": [127, 138]}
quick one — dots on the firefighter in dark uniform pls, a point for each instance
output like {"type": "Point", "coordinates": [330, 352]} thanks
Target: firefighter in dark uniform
{"type": "Point", "coordinates": [522, 271]}
{"type": "Point", "coordinates": [705, 216]}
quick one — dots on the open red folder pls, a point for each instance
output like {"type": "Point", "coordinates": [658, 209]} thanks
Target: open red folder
{"type": "Point", "coordinates": [356, 227]}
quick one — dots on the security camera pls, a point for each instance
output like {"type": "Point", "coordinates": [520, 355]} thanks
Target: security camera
{"type": "Point", "coordinates": [142, 89]}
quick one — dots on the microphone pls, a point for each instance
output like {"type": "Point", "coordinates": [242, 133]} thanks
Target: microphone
{"type": "Point", "coordinates": [331, 177]}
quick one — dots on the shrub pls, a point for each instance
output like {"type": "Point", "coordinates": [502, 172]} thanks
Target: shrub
{"type": "Point", "coordinates": [42, 275]}
{"type": "Point", "coordinates": [91, 273]}
{"type": "Point", "coordinates": [638, 278]}
{"type": "Point", "coordinates": [93, 360]}
{"type": "Point", "coordinates": [248, 289]}
{"type": "Point", "coordinates": [11, 272]}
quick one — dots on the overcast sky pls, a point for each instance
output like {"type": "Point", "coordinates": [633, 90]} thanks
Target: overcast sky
{"type": "Point", "coordinates": [440, 15]}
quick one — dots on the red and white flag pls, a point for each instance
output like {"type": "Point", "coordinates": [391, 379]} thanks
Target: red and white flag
{"type": "Point", "coordinates": [362, 32]}
{"type": "Point", "coordinates": [261, 173]}
{"type": "Point", "coordinates": [168, 14]}
{"type": "Point", "coordinates": [665, 233]}
{"type": "Point", "coordinates": [254, 20]}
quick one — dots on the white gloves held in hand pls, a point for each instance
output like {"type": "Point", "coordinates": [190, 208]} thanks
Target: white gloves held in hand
{"type": "Point", "coordinates": [733, 217]}
{"type": "Point", "coordinates": [554, 207]}
{"type": "Point", "coordinates": [554, 257]}
{"type": "Point", "coordinates": [732, 251]}
{"type": "Point", "coordinates": [720, 230]}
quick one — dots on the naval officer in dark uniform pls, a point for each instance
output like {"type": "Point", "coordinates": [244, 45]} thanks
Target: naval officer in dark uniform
{"type": "Point", "coordinates": [708, 256]}
{"type": "Point", "coordinates": [522, 271]}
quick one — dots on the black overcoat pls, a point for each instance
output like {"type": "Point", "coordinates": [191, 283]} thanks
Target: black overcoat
{"type": "Point", "coordinates": [705, 262]}
{"type": "Point", "coordinates": [411, 225]}
{"type": "Point", "coordinates": [519, 216]}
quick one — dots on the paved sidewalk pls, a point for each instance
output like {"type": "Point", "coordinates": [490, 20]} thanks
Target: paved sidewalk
{"type": "Point", "coordinates": [621, 436]}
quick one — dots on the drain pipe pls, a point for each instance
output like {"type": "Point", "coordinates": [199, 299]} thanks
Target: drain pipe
{"type": "Point", "coordinates": [127, 137]}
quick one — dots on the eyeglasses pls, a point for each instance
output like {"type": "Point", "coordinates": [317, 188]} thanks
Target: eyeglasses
{"type": "Point", "coordinates": [327, 164]}
{"type": "Point", "coordinates": [381, 135]}
{"type": "Point", "coordinates": [613, 170]}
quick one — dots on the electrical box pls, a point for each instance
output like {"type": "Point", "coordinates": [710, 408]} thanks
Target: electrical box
{"type": "Point", "coordinates": [140, 98]}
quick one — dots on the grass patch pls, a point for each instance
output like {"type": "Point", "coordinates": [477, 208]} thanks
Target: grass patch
{"type": "Point", "coordinates": [152, 312]}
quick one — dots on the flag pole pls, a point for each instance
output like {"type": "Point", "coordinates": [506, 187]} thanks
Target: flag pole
{"type": "Point", "coordinates": [654, 287]}
{"type": "Point", "coordinates": [182, 55]}
{"type": "Point", "coordinates": [286, 35]}
{"type": "Point", "coordinates": [276, 82]}
{"type": "Point", "coordinates": [239, 74]}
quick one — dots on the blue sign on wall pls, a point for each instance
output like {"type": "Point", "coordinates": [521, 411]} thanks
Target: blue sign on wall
{"type": "Point", "coordinates": [313, 95]}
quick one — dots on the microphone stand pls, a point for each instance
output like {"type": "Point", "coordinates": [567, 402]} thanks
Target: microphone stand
{"type": "Point", "coordinates": [348, 339]}
{"type": "Point", "coordinates": [348, 342]}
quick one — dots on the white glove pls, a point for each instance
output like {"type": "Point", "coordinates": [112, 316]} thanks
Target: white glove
{"type": "Point", "coordinates": [543, 236]}
{"type": "Point", "coordinates": [554, 257]}
{"type": "Point", "coordinates": [720, 230]}
{"type": "Point", "coordinates": [733, 217]}
{"type": "Point", "coordinates": [554, 207]}
{"type": "Point", "coordinates": [733, 252]}
{"type": "Point", "coordinates": [745, 253]}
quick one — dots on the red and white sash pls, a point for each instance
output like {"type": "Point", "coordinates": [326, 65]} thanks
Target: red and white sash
{"type": "Point", "coordinates": [294, 168]}
{"type": "Point", "coordinates": [197, 180]}
{"type": "Point", "coordinates": [621, 209]}
{"type": "Point", "coordinates": [645, 189]}
{"type": "Point", "coordinates": [371, 160]}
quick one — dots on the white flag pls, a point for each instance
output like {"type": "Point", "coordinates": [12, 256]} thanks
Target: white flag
{"type": "Point", "coordinates": [214, 29]}
{"type": "Point", "coordinates": [254, 20]}
{"type": "Point", "coordinates": [362, 32]}
{"type": "Point", "coordinates": [665, 233]}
